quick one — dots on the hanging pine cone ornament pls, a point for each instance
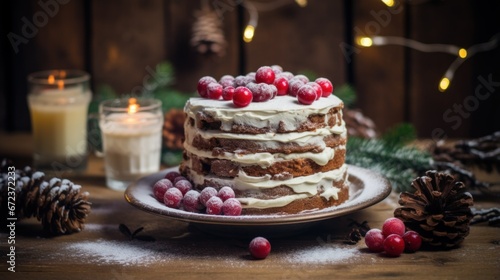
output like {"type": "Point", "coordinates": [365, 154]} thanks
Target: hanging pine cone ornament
{"type": "Point", "coordinates": [173, 129]}
{"type": "Point", "coordinates": [59, 204]}
{"type": "Point", "coordinates": [207, 34]}
{"type": "Point", "coordinates": [439, 210]}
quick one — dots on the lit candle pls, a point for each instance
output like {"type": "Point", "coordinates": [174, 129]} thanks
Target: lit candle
{"type": "Point", "coordinates": [58, 104]}
{"type": "Point", "coordinates": [131, 131]}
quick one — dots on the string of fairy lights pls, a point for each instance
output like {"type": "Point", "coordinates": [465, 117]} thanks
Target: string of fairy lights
{"type": "Point", "coordinates": [462, 54]}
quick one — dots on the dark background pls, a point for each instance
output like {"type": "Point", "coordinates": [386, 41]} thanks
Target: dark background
{"type": "Point", "coordinates": [118, 41]}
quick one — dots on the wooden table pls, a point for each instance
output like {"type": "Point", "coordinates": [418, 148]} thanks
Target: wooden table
{"type": "Point", "coordinates": [101, 251]}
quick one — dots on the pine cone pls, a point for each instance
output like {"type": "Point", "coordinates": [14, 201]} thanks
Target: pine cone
{"type": "Point", "coordinates": [58, 204]}
{"type": "Point", "coordinates": [358, 124]}
{"type": "Point", "coordinates": [439, 210]}
{"type": "Point", "coordinates": [173, 129]}
{"type": "Point", "coordinates": [207, 35]}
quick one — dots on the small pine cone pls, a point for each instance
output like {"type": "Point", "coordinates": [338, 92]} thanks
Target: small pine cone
{"type": "Point", "coordinates": [439, 210]}
{"type": "Point", "coordinates": [61, 207]}
{"type": "Point", "coordinates": [207, 34]}
{"type": "Point", "coordinates": [358, 124]}
{"type": "Point", "coordinates": [173, 129]}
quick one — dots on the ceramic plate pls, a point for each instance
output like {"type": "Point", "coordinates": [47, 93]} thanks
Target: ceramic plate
{"type": "Point", "coordinates": [366, 189]}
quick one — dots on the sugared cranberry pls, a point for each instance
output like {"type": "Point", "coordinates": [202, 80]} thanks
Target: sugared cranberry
{"type": "Point", "coordinates": [259, 247]}
{"type": "Point", "coordinates": [192, 202]}
{"type": "Point", "coordinates": [231, 207]}
{"type": "Point", "coordinates": [251, 76]}
{"type": "Point", "coordinates": [287, 75]}
{"type": "Point", "coordinates": [277, 69]}
{"type": "Point", "coordinates": [306, 95]}
{"type": "Point", "coordinates": [413, 241]}
{"type": "Point", "coordinates": [242, 97]}
{"type": "Point", "coordinates": [203, 84]}
{"type": "Point", "coordinates": [206, 194]}
{"type": "Point", "coordinates": [160, 187]}
{"type": "Point", "coordinates": [393, 226]}
{"type": "Point", "coordinates": [172, 175]}
{"type": "Point", "coordinates": [281, 85]}
{"type": "Point", "coordinates": [301, 77]}
{"type": "Point", "coordinates": [214, 91]}
{"type": "Point", "coordinates": [394, 245]}
{"type": "Point", "coordinates": [227, 93]}
{"type": "Point", "coordinates": [226, 83]}
{"type": "Point", "coordinates": [225, 193]}
{"type": "Point", "coordinates": [241, 81]}
{"type": "Point", "coordinates": [214, 205]}
{"type": "Point", "coordinates": [317, 88]}
{"type": "Point", "coordinates": [265, 74]}
{"type": "Point", "coordinates": [261, 92]}
{"type": "Point", "coordinates": [325, 85]}
{"type": "Point", "coordinates": [184, 186]}
{"type": "Point", "coordinates": [178, 178]}
{"type": "Point", "coordinates": [374, 240]}
{"type": "Point", "coordinates": [173, 198]}
{"type": "Point", "coordinates": [294, 86]}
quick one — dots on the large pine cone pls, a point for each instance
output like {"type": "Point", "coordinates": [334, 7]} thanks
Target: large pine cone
{"type": "Point", "coordinates": [58, 204]}
{"type": "Point", "coordinates": [439, 210]}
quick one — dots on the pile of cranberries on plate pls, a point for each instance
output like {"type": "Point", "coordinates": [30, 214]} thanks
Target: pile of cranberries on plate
{"type": "Point", "coordinates": [175, 191]}
{"type": "Point", "coordinates": [264, 84]}
{"type": "Point", "coordinates": [393, 239]}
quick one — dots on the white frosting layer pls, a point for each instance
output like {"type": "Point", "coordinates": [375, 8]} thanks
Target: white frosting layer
{"type": "Point", "coordinates": [283, 109]}
{"type": "Point", "coordinates": [266, 159]}
{"type": "Point", "coordinates": [303, 186]}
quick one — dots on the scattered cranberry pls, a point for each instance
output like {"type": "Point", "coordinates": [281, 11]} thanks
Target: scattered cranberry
{"type": "Point", "coordinates": [265, 74]}
{"type": "Point", "coordinates": [326, 85]}
{"type": "Point", "coordinates": [374, 240]}
{"type": "Point", "coordinates": [242, 97]}
{"type": "Point", "coordinates": [214, 205]}
{"type": "Point", "coordinates": [259, 247]}
{"type": "Point", "coordinates": [412, 241]}
{"type": "Point", "coordinates": [206, 194]}
{"type": "Point", "coordinates": [172, 175]}
{"type": "Point", "coordinates": [225, 193]}
{"type": "Point", "coordinates": [191, 201]}
{"type": "Point", "coordinates": [231, 207]}
{"type": "Point", "coordinates": [317, 88]}
{"type": "Point", "coordinates": [281, 85]}
{"type": "Point", "coordinates": [214, 91]}
{"type": "Point", "coordinates": [173, 198]}
{"type": "Point", "coordinates": [160, 187]}
{"type": "Point", "coordinates": [394, 245]}
{"type": "Point", "coordinates": [184, 186]}
{"type": "Point", "coordinates": [302, 78]}
{"type": "Point", "coordinates": [203, 84]}
{"type": "Point", "coordinates": [306, 95]}
{"type": "Point", "coordinates": [294, 86]}
{"type": "Point", "coordinates": [227, 93]}
{"type": "Point", "coordinates": [393, 226]}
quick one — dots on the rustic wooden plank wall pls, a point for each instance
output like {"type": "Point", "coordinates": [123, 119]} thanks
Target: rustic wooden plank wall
{"type": "Point", "coordinates": [120, 42]}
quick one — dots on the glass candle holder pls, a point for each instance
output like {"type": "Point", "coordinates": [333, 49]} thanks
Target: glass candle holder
{"type": "Point", "coordinates": [131, 136]}
{"type": "Point", "coordinates": [58, 101]}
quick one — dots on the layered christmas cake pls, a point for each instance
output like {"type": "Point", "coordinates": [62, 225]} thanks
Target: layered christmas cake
{"type": "Point", "coordinates": [281, 149]}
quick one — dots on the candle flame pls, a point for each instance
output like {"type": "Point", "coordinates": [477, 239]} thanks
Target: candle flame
{"type": "Point", "coordinates": [51, 79]}
{"type": "Point", "coordinates": [62, 74]}
{"type": "Point", "coordinates": [133, 107]}
{"type": "Point", "coordinates": [60, 84]}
